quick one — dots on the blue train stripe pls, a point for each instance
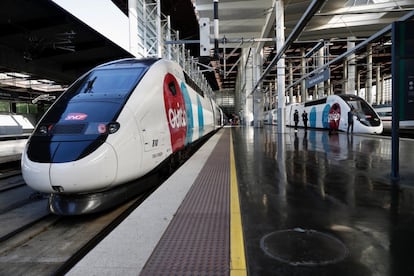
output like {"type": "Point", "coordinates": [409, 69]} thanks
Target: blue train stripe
{"type": "Point", "coordinates": [189, 114]}
{"type": "Point", "coordinates": [200, 117]}
{"type": "Point", "coordinates": [312, 117]}
{"type": "Point", "coordinates": [325, 116]}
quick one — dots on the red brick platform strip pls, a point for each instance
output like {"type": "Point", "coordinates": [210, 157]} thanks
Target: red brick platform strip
{"type": "Point", "coordinates": [197, 240]}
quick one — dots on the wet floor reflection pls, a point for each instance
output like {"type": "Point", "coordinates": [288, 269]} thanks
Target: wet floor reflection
{"type": "Point", "coordinates": [338, 185]}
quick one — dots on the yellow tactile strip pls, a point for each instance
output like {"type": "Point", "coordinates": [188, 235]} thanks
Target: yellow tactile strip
{"type": "Point", "coordinates": [237, 256]}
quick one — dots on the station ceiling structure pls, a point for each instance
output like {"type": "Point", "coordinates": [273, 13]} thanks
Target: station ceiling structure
{"type": "Point", "coordinates": [41, 41]}
{"type": "Point", "coordinates": [38, 37]}
{"type": "Point", "coordinates": [334, 23]}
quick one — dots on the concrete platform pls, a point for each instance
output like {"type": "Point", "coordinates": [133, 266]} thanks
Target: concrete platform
{"type": "Point", "coordinates": [310, 203]}
{"type": "Point", "coordinates": [128, 249]}
{"type": "Point", "coordinates": [11, 148]}
{"type": "Point", "coordinates": [319, 204]}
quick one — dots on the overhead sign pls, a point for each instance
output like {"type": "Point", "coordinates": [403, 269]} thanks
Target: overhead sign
{"type": "Point", "coordinates": [317, 78]}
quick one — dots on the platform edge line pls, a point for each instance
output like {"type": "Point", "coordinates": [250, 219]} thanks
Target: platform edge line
{"type": "Point", "coordinates": [237, 255]}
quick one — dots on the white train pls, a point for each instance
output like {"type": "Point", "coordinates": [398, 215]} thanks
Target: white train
{"type": "Point", "coordinates": [332, 113]}
{"type": "Point", "coordinates": [115, 124]}
{"type": "Point", "coordinates": [385, 113]}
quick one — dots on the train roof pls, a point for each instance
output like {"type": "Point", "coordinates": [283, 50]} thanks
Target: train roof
{"type": "Point", "coordinates": [345, 97]}
{"type": "Point", "coordinates": [349, 97]}
{"type": "Point", "coordinates": [129, 61]}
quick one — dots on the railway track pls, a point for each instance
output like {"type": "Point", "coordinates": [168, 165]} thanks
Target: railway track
{"type": "Point", "coordinates": [402, 133]}
{"type": "Point", "coordinates": [35, 242]}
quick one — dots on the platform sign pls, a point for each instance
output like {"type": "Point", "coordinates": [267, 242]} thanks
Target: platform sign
{"type": "Point", "coordinates": [403, 63]}
{"type": "Point", "coordinates": [317, 78]}
{"type": "Point", "coordinates": [402, 85]}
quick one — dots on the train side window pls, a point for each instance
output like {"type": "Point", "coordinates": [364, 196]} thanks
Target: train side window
{"type": "Point", "coordinates": [316, 102]}
{"type": "Point", "coordinates": [172, 88]}
{"type": "Point", "coordinates": [193, 85]}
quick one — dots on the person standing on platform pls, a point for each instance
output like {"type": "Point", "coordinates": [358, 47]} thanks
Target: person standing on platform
{"type": "Point", "coordinates": [351, 120]}
{"type": "Point", "coordinates": [296, 119]}
{"type": "Point", "coordinates": [305, 119]}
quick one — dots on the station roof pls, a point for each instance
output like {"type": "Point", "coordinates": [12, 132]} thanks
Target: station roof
{"type": "Point", "coordinates": [39, 40]}
{"type": "Point", "coordinates": [334, 23]}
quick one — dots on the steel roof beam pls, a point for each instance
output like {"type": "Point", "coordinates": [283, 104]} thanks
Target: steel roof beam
{"type": "Point", "coordinates": [364, 43]}
{"type": "Point", "coordinates": [307, 16]}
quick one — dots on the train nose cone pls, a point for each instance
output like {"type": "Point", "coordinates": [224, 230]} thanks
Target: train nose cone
{"type": "Point", "coordinates": [95, 171]}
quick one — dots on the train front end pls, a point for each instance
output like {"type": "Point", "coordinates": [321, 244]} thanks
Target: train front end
{"type": "Point", "coordinates": [74, 148]}
{"type": "Point", "coordinates": [366, 119]}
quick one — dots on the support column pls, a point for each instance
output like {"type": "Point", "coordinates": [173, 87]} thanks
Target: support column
{"type": "Point", "coordinates": [351, 68]}
{"type": "Point", "coordinates": [378, 97]}
{"type": "Point", "coordinates": [290, 82]}
{"type": "Point", "coordinates": [358, 88]}
{"type": "Point", "coordinates": [368, 85]}
{"type": "Point", "coordinates": [329, 86]}
{"type": "Point", "coordinates": [270, 96]}
{"type": "Point", "coordinates": [303, 91]}
{"type": "Point", "coordinates": [344, 77]}
{"type": "Point", "coordinates": [159, 31]}
{"type": "Point", "coordinates": [169, 46]}
{"type": "Point", "coordinates": [258, 94]}
{"type": "Point", "coordinates": [321, 85]}
{"type": "Point", "coordinates": [382, 90]}
{"type": "Point", "coordinates": [248, 107]}
{"type": "Point", "coordinates": [280, 41]}
{"type": "Point", "coordinates": [133, 27]}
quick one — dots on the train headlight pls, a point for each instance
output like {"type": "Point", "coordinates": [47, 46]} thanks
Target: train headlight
{"type": "Point", "coordinates": [108, 128]}
{"type": "Point", "coordinates": [43, 130]}
{"type": "Point", "coordinates": [103, 128]}
{"type": "Point", "coordinates": [113, 127]}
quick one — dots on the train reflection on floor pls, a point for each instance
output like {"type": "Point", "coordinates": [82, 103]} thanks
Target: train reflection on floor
{"type": "Point", "coordinates": [319, 204]}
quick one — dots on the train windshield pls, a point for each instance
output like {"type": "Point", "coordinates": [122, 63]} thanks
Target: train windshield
{"type": "Point", "coordinates": [89, 105]}
{"type": "Point", "coordinates": [114, 82]}
{"type": "Point", "coordinates": [85, 115]}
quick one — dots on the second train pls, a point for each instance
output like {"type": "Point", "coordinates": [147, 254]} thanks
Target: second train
{"type": "Point", "coordinates": [332, 113]}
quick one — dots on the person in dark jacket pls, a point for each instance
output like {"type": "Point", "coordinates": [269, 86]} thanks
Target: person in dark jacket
{"type": "Point", "coordinates": [296, 119]}
{"type": "Point", "coordinates": [351, 114]}
{"type": "Point", "coordinates": [305, 119]}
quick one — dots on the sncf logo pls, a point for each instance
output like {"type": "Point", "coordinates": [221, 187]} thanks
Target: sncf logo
{"type": "Point", "coordinates": [177, 117]}
{"type": "Point", "coordinates": [76, 116]}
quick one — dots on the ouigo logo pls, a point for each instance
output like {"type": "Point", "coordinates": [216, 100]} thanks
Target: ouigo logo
{"type": "Point", "coordinates": [175, 111]}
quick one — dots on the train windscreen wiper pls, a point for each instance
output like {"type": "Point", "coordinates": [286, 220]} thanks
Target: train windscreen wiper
{"type": "Point", "coordinates": [89, 86]}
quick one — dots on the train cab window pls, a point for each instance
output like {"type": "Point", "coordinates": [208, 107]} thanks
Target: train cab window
{"type": "Point", "coordinates": [118, 82]}
{"type": "Point", "coordinates": [193, 85]}
{"type": "Point", "coordinates": [172, 88]}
